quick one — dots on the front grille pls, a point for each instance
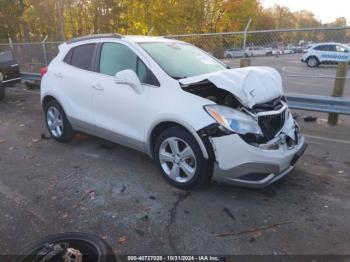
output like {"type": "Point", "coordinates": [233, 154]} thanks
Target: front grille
{"type": "Point", "coordinates": [271, 124]}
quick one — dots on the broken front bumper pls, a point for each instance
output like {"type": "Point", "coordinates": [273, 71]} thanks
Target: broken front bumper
{"type": "Point", "coordinates": [242, 164]}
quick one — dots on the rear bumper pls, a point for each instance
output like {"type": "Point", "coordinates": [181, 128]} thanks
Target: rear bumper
{"type": "Point", "coordinates": [239, 163]}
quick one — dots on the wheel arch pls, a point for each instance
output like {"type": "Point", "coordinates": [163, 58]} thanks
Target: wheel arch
{"type": "Point", "coordinates": [313, 56]}
{"type": "Point", "coordinates": [159, 127]}
{"type": "Point", "coordinates": [48, 98]}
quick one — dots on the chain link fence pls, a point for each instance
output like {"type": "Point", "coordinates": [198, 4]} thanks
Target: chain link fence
{"type": "Point", "coordinates": [281, 49]}
{"type": "Point", "coordinates": [265, 42]}
{"type": "Point", "coordinates": [292, 52]}
{"type": "Point", "coordinates": [227, 45]}
{"type": "Point", "coordinates": [32, 56]}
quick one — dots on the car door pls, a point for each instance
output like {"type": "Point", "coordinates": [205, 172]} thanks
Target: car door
{"type": "Point", "coordinates": [326, 53]}
{"type": "Point", "coordinates": [73, 80]}
{"type": "Point", "coordinates": [8, 66]}
{"type": "Point", "coordinates": [333, 56]}
{"type": "Point", "coordinates": [119, 111]}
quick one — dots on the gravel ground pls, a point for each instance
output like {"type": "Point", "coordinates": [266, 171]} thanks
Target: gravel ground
{"type": "Point", "coordinates": [95, 186]}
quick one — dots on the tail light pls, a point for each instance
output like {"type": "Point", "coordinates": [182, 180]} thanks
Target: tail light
{"type": "Point", "coordinates": [43, 71]}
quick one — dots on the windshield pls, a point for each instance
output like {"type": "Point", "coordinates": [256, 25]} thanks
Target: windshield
{"type": "Point", "coordinates": [180, 60]}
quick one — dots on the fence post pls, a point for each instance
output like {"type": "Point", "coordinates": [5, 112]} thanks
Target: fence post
{"type": "Point", "coordinates": [339, 84]}
{"type": "Point", "coordinates": [44, 49]}
{"type": "Point", "coordinates": [10, 43]}
{"type": "Point", "coordinates": [245, 61]}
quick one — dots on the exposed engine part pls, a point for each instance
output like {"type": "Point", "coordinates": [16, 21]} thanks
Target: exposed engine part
{"type": "Point", "coordinates": [270, 123]}
{"type": "Point", "coordinates": [209, 91]}
{"type": "Point", "coordinates": [73, 255]}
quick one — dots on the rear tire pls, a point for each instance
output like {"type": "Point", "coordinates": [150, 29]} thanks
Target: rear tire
{"type": "Point", "coordinates": [2, 91]}
{"type": "Point", "coordinates": [186, 167]}
{"type": "Point", "coordinates": [57, 122]}
{"type": "Point", "coordinates": [312, 61]}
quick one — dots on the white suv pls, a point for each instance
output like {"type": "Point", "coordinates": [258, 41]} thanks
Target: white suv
{"type": "Point", "coordinates": [326, 53]}
{"type": "Point", "coordinates": [177, 104]}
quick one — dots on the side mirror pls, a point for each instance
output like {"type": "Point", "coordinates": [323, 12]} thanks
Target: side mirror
{"type": "Point", "coordinates": [129, 77]}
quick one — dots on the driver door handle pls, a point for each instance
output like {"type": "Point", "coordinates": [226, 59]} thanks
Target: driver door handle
{"type": "Point", "coordinates": [97, 87]}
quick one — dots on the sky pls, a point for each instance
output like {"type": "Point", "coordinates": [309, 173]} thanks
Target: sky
{"type": "Point", "coordinates": [324, 10]}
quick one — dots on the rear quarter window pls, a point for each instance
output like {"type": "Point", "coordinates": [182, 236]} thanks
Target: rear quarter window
{"type": "Point", "coordinates": [81, 56]}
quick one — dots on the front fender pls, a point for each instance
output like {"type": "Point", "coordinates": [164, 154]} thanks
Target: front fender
{"type": "Point", "coordinates": [178, 121]}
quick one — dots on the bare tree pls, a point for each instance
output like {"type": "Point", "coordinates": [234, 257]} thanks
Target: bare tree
{"type": "Point", "coordinates": [60, 19]}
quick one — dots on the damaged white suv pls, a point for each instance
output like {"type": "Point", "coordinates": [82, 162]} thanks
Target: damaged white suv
{"type": "Point", "coordinates": [173, 101]}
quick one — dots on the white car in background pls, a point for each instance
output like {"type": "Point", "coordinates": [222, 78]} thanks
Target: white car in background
{"type": "Point", "coordinates": [234, 53]}
{"type": "Point", "coordinates": [171, 100]}
{"type": "Point", "coordinates": [326, 53]}
{"type": "Point", "coordinates": [258, 51]}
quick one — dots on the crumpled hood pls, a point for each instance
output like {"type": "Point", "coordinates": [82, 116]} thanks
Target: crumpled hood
{"type": "Point", "coordinates": [250, 85]}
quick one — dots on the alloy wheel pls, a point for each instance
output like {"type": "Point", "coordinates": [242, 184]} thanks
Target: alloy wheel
{"type": "Point", "coordinates": [312, 62]}
{"type": "Point", "coordinates": [54, 121]}
{"type": "Point", "coordinates": [177, 159]}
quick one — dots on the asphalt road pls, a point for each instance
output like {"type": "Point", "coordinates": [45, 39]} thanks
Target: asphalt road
{"type": "Point", "coordinates": [297, 76]}
{"type": "Point", "coordinates": [95, 186]}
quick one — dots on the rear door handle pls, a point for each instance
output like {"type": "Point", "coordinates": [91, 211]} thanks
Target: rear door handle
{"type": "Point", "coordinates": [59, 75]}
{"type": "Point", "coordinates": [97, 87]}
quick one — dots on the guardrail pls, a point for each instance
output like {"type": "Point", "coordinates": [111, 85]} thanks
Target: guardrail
{"type": "Point", "coordinates": [30, 76]}
{"type": "Point", "coordinates": [327, 104]}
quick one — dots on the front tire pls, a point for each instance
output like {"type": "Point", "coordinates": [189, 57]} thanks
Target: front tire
{"type": "Point", "coordinates": [312, 62]}
{"type": "Point", "coordinates": [57, 122]}
{"type": "Point", "coordinates": [180, 159]}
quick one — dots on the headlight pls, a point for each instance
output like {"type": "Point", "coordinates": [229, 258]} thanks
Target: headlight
{"type": "Point", "coordinates": [234, 120]}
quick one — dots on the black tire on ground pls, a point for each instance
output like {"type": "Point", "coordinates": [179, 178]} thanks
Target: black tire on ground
{"type": "Point", "coordinates": [312, 61]}
{"type": "Point", "coordinates": [2, 92]}
{"type": "Point", "coordinates": [229, 56]}
{"type": "Point", "coordinates": [204, 168]}
{"type": "Point", "coordinates": [68, 132]}
{"type": "Point", "coordinates": [91, 246]}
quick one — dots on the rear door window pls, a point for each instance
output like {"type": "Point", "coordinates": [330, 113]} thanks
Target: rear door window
{"type": "Point", "coordinates": [332, 48]}
{"type": "Point", "coordinates": [81, 56]}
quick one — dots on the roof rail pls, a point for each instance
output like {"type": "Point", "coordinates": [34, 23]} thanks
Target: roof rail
{"type": "Point", "coordinates": [97, 36]}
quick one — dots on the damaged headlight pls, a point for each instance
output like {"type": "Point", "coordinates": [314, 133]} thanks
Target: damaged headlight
{"type": "Point", "coordinates": [234, 120]}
